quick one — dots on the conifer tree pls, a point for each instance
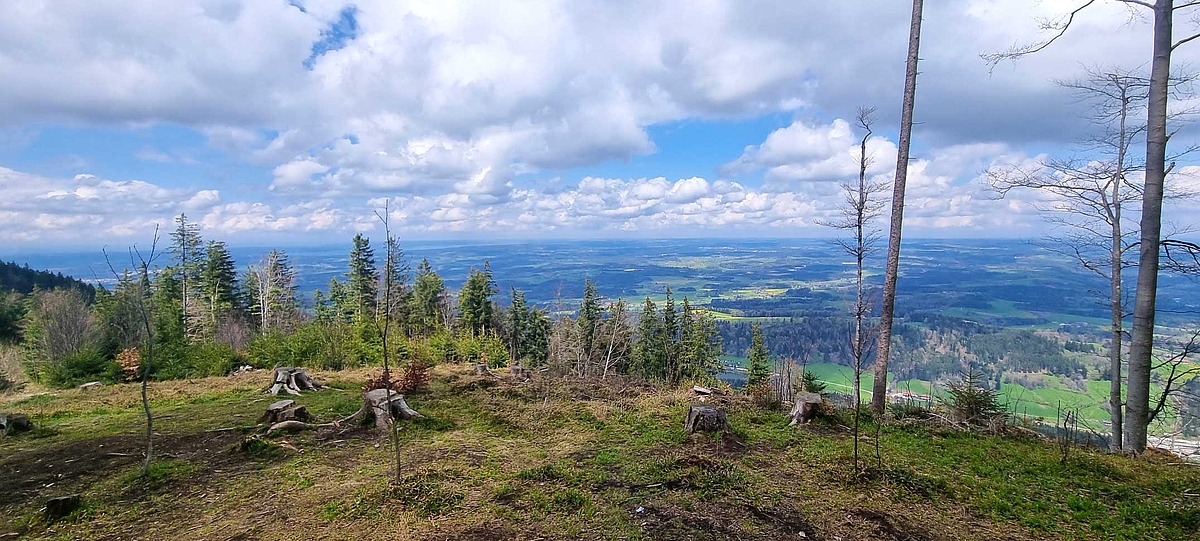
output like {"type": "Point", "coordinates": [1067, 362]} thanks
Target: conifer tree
{"type": "Point", "coordinates": [429, 293]}
{"type": "Point", "coordinates": [475, 301]}
{"type": "Point", "coordinates": [363, 277]}
{"type": "Point", "coordinates": [518, 325]}
{"type": "Point", "coordinates": [647, 350]}
{"type": "Point", "coordinates": [396, 273]}
{"type": "Point", "coordinates": [218, 284]}
{"type": "Point", "coordinates": [668, 340]}
{"type": "Point", "coordinates": [589, 316]}
{"type": "Point", "coordinates": [760, 362]}
{"type": "Point", "coordinates": [188, 260]}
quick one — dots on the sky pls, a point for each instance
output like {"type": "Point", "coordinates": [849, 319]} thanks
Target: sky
{"type": "Point", "coordinates": [274, 121]}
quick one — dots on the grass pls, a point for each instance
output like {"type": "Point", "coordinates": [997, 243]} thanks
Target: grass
{"type": "Point", "coordinates": [553, 459]}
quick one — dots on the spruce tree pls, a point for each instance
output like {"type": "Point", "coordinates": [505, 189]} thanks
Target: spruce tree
{"type": "Point", "coordinates": [188, 259]}
{"type": "Point", "coordinates": [218, 283]}
{"type": "Point", "coordinates": [518, 325]}
{"type": "Point", "coordinates": [429, 291]}
{"type": "Point", "coordinates": [363, 277]}
{"type": "Point", "coordinates": [475, 301]}
{"type": "Point", "coordinates": [589, 317]}
{"type": "Point", "coordinates": [396, 271]}
{"type": "Point", "coordinates": [668, 340]}
{"type": "Point", "coordinates": [647, 352]}
{"type": "Point", "coordinates": [760, 362]}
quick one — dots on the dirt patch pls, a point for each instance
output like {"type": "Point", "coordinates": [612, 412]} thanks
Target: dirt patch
{"type": "Point", "coordinates": [721, 521]}
{"type": "Point", "coordinates": [76, 465]}
{"type": "Point", "coordinates": [892, 527]}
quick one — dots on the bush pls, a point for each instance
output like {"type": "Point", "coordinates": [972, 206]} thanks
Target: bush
{"type": "Point", "coordinates": [411, 378]}
{"type": "Point", "coordinates": [810, 384]}
{"type": "Point", "coordinates": [764, 396]}
{"type": "Point", "coordinates": [496, 350]}
{"type": "Point", "coordinates": [208, 359]}
{"type": "Point", "coordinates": [87, 364]}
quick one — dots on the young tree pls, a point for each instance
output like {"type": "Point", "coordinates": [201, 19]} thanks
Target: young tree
{"type": "Point", "coordinates": [518, 325]}
{"type": "Point", "coordinates": [1137, 409]}
{"type": "Point", "coordinates": [396, 273]}
{"type": "Point", "coordinates": [392, 247]}
{"type": "Point", "coordinates": [142, 264]}
{"type": "Point", "coordinates": [648, 350]}
{"type": "Point", "coordinates": [760, 358]}
{"type": "Point", "coordinates": [699, 348]}
{"type": "Point", "coordinates": [859, 210]}
{"type": "Point", "coordinates": [429, 299]}
{"type": "Point", "coordinates": [475, 301]}
{"type": "Point", "coordinates": [590, 315]}
{"type": "Point", "coordinates": [363, 278]}
{"type": "Point", "coordinates": [669, 340]}
{"type": "Point", "coordinates": [879, 392]}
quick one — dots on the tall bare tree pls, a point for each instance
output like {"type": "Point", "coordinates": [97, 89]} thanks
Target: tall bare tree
{"type": "Point", "coordinates": [884, 349]}
{"type": "Point", "coordinates": [859, 210]}
{"type": "Point", "coordinates": [1137, 408]}
{"type": "Point", "coordinates": [1090, 200]}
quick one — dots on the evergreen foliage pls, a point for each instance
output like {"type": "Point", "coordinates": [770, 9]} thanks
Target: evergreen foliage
{"type": "Point", "coordinates": [363, 278]}
{"type": "Point", "coordinates": [760, 361]}
{"type": "Point", "coordinates": [428, 298]}
{"type": "Point", "coordinates": [475, 307]}
{"type": "Point", "coordinates": [24, 280]}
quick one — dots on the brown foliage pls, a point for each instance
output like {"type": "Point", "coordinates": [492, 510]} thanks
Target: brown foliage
{"type": "Point", "coordinates": [413, 377]}
{"type": "Point", "coordinates": [129, 360]}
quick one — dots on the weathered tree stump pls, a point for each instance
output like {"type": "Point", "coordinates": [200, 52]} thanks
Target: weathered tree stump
{"type": "Point", "coordinates": [481, 369]}
{"type": "Point", "coordinates": [705, 418]}
{"type": "Point", "coordinates": [286, 410]}
{"type": "Point", "coordinates": [293, 380]}
{"type": "Point", "coordinates": [523, 374]}
{"type": "Point", "coordinates": [14, 422]}
{"type": "Point", "coordinates": [702, 391]}
{"type": "Point", "coordinates": [59, 508]}
{"type": "Point", "coordinates": [375, 403]}
{"type": "Point", "coordinates": [90, 386]}
{"type": "Point", "coordinates": [805, 408]}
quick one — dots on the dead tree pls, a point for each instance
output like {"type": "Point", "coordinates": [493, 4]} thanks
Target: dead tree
{"type": "Point", "coordinates": [386, 324]}
{"type": "Point", "coordinates": [859, 211]}
{"type": "Point", "coordinates": [884, 349]}
{"type": "Point", "coordinates": [1137, 408]}
{"type": "Point", "coordinates": [142, 263]}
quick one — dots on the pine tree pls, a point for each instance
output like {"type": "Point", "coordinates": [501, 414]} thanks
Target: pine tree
{"type": "Point", "coordinates": [589, 316]}
{"type": "Point", "coordinates": [429, 293]}
{"type": "Point", "coordinates": [218, 285]}
{"type": "Point", "coordinates": [363, 277]}
{"type": "Point", "coordinates": [518, 325]}
{"type": "Point", "coordinates": [188, 260]}
{"type": "Point", "coordinates": [537, 338]}
{"type": "Point", "coordinates": [647, 350]}
{"type": "Point", "coordinates": [396, 272]}
{"type": "Point", "coordinates": [475, 301]}
{"type": "Point", "coordinates": [760, 361]}
{"type": "Point", "coordinates": [669, 340]}
{"type": "Point", "coordinates": [700, 352]}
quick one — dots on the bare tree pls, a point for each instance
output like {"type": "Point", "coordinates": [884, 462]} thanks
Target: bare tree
{"type": "Point", "coordinates": [879, 392]}
{"type": "Point", "coordinates": [142, 263]}
{"type": "Point", "coordinates": [63, 326]}
{"type": "Point", "coordinates": [859, 210]}
{"type": "Point", "coordinates": [384, 325]}
{"type": "Point", "coordinates": [1092, 200]}
{"type": "Point", "coordinates": [1137, 409]}
{"type": "Point", "coordinates": [1179, 368]}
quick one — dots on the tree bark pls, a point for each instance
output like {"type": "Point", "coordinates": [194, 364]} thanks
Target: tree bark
{"type": "Point", "coordinates": [879, 391]}
{"type": "Point", "coordinates": [1137, 409]}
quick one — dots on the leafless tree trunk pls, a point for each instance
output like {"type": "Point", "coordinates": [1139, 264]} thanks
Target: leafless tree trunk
{"type": "Point", "coordinates": [386, 324]}
{"type": "Point", "coordinates": [142, 263]}
{"type": "Point", "coordinates": [859, 210]}
{"type": "Point", "coordinates": [884, 349]}
{"type": "Point", "coordinates": [1137, 408]}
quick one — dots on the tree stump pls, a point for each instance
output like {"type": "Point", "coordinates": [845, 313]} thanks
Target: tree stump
{"type": "Point", "coordinates": [14, 422]}
{"type": "Point", "coordinates": [481, 369]}
{"type": "Point", "coordinates": [375, 403]}
{"type": "Point", "coordinates": [293, 380]}
{"type": "Point", "coordinates": [523, 374]}
{"type": "Point", "coordinates": [286, 410]}
{"type": "Point", "coordinates": [705, 418]}
{"type": "Point", "coordinates": [59, 508]}
{"type": "Point", "coordinates": [805, 408]}
{"type": "Point", "coordinates": [90, 386]}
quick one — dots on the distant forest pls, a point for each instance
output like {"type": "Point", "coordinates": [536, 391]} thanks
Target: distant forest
{"type": "Point", "coordinates": [23, 280]}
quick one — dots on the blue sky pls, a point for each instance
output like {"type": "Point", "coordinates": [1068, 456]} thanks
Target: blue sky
{"type": "Point", "coordinates": [292, 122]}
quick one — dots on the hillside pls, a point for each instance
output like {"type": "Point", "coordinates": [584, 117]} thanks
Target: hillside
{"type": "Point", "coordinates": [552, 458]}
{"type": "Point", "coordinates": [23, 279]}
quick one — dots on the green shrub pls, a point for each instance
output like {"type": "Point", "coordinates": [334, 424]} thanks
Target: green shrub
{"type": "Point", "coordinates": [441, 347]}
{"type": "Point", "coordinates": [88, 364]}
{"type": "Point", "coordinates": [208, 359]}
{"type": "Point", "coordinates": [496, 350]}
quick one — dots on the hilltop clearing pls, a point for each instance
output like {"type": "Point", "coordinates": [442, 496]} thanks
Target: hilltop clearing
{"type": "Point", "coordinates": [551, 458]}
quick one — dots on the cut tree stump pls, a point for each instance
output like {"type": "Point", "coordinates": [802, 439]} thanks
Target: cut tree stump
{"type": "Point", "coordinates": [481, 369]}
{"type": "Point", "coordinates": [286, 410]}
{"type": "Point", "coordinates": [705, 418]}
{"type": "Point", "coordinates": [523, 374]}
{"type": "Point", "coordinates": [702, 391]}
{"type": "Point", "coordinates": [59, 508]}
{"type": "Point", "coordinates": [293, 380]}
{"type": "Point", "coordinates": [14, 422]}
{"type": "Point", "coordinates": [90, 386]}
{"type": "Point", "coordinates": [375, 404]}
{"type": "Point", "coordinates": [805, 408]}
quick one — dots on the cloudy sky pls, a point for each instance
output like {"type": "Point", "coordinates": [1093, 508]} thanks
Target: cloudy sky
{"type": "Point", "coordinates": [278, 121]}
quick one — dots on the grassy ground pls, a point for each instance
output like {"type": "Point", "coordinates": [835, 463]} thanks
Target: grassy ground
{"type": "Point", "coordinates": [552, 459]}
